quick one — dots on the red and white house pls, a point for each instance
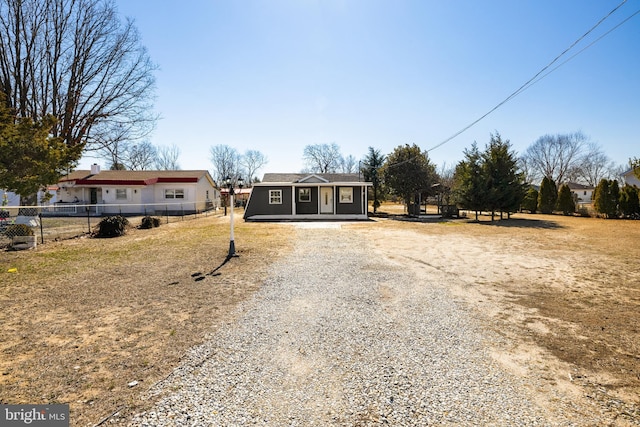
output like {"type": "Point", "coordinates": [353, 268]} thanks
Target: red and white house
{"type": "Point", "coordinates": [136, 192]}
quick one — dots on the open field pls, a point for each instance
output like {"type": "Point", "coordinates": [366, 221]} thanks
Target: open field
{"type": "Point", "coordinates": [83, 318]}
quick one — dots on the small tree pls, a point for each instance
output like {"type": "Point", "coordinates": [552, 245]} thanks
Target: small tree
{"type": "Point", "coordinates": [548, 196]}
{"type": "Point", "coordinates": [470, 186]}
{"type": "Point", "coordinates": [606, 197]}
{"type": "Point", "coordinates": [371, 170]}
{"type": "Point", "coordinates": [530, 201]}
{"type": "Point", "coordinates": [629, 202]}
{"type": "Point", "coordinates": [30, 158]}
{"type": "Point", "coordinates": [566, 204]}
{"type": "Point", "coordinates": [408, 172]}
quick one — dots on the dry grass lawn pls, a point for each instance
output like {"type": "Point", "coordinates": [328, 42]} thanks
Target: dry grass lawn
{"type": "Point", "coordinates": [83, 318]}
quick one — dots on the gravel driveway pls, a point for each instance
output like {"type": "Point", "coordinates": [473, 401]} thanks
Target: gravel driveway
{"type": "Point", "coordinates": [340, 336]}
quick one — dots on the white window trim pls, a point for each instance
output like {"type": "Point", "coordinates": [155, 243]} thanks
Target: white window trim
{"type": "Point", "coordinates": [119, 192]}
{"type": "Point", "coordinates": [173, 193]}
{"type": "Point", "coordinates": [275, 197]}
{"type": "Point", "coordinates": [308, 194]}
{"type": "Point", "coordinates": [346, 195]}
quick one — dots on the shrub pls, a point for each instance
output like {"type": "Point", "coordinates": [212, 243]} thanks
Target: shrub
{"type": "Point", "coordinates": [150, 222]}
{"type": "Point", "coordinates": [530, 202]}
{"type": "Point", "coordinates": [19, 230]}
{"type": "Point", "coordinates": [565, 203]}
{"type": "Point", "coordinates": [547, 196]}
{"type": "Point", "coordinates": [112, 226]}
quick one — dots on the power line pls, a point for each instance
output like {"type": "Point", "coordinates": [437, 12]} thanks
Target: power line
{"type": "Point", "coordinates": [535, 78]}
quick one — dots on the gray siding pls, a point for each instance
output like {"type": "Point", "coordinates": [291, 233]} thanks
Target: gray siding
{"type": "Point", "coordinates": [350, 208]}
{"type": "Point", "coordinates": [310, 207]}
{"type": "Point", "coordinates": [259, 202]}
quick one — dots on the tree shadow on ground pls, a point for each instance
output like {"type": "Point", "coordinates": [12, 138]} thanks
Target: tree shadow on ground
{"type": "Point", "coordinates": [512, 222]}
{"type": "Point", "coordinates": [520, 223]}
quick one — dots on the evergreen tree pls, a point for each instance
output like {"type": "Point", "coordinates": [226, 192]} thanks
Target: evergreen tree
{"type": "Point", "coordinates": [606, 197]}
{"type": "Point", "coordinates": [30, 158]}
{"type": "Point", "coordinates": [530, 202]}
{"type": "Point", "coordinates": [408, 171]}
{"type": "Point", "coordinates": [371, 169]}
{"type": "Point", "coordinates": [505, 186]}
{"type": "Point", "coordinates": [547, 196]}
{"type": "Point", "coordinates": [470, 184]}
{"type": "Point", "coordinates": [629, 203]}
{"type": "Point", "coordinates": [566, 204]}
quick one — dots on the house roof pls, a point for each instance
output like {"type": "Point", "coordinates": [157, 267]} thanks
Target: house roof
{"type": "Point", "coordinates": [311, 177]}
{"type": "Point", "coordinates": [118, 177]}
{"type": "Point", "coordinates": [577, 186]}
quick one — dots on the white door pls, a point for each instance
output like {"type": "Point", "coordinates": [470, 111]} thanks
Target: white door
{"type": "Point", "coordinates": [326, 200]}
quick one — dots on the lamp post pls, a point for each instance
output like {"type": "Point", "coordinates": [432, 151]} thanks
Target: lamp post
{"type": "Point", "coordinates": [230, 184]}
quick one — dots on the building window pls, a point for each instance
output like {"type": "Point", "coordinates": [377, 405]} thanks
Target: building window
{"type": "Point", "coordinates": [121, 194]}
{"type": "Point", "coordinates": [172, 193]}
{"type": "Point", "coordinates": [275, 197]}
{"type": "Point", "coordinates": [346, 194]}
{"type": "Point", "coordinates": [304, 194]}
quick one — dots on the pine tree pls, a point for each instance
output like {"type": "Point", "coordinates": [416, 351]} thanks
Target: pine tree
{"type": "Point", "coordinates": [470, 182]}
{"type": "Point", "coordinates": [505, 186]}
{"type": "Point", "coordinates": [547, 196]}
{"type": "Point", "coordinates": [566, 204]}
{"type": "Point", "coordinates": [629, 202]}
{"type": "Point", "coordinates": [606, 197]}
{"type": "Point", "coordinates": [371, 169]}
{"type": "Point", "coordinates": [530, 202]}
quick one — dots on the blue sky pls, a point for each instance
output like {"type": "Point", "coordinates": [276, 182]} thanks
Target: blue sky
{"type": "Point", "coordinates": [278, 75]}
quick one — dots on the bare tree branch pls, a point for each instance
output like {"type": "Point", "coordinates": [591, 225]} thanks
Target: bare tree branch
{"type": "Point", "coordinates": [76, 60]}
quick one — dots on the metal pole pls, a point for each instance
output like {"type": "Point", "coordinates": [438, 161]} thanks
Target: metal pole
{"type": "Point", "coordinates": [232, 245]}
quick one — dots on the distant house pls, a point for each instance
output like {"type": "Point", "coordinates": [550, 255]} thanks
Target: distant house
{"type": "Point", "coordinates": [308, 197]}
{"type": "Point", "coordinates": [136, 192]}
{"type": "Point", "coordinates": [582, 194]}
{"type": "Point", "coordinates": [630, 178]}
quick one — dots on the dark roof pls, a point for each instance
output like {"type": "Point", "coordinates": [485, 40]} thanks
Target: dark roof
{"type": "Point", "coordinates": [297, 177]}
{"type": "Point", "coordinates": [84, 177]}
{"type": "Point", "coordinates": [577, 186]}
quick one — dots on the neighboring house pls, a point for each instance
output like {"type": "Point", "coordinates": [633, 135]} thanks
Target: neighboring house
{"type": "Point", "coordinates": [582, 194]}
{"type": "Point", "coordinates": [240, 196]}
{"type": "Point", "coordinates": [630, 178]}
{"type": "Point", "coordinates": [137, 192]}
{"type": "Point", "coordinates": [308, 197]}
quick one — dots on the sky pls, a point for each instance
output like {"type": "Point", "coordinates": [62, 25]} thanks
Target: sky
{"type": "Point", "coordinates": [278, 75]}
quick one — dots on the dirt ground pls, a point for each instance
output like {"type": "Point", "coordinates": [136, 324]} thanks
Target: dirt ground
{"type": "Point", "coordinates": [564, 292]}
{"type": "Point", "coordinates": [83, 320]}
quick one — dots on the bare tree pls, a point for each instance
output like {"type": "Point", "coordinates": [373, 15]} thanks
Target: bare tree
{"type": "Point", "coordinates": [226, 162]}
{"type": "Point", "coordinates": [168, 157]}
{"type": "Point", "coordinates": [141, 156]}
{"type": "Point", "coordinates": [349, 164]}
{"type": "Point", "coordinates": [251, 162]}
{"type": "Point", "coordinates": [556, 156]}
{"type": "Point", "coordinates": [322, 158]}
{"type": "Point", "coordinates": [529, 173]}
{"type": "Point", "coordinates": [77, 61]}
{"type": "Point", "coordinates": [594, 166]}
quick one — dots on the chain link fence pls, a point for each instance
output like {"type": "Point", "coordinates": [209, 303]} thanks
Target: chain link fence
{"type": "Point", "coordinates": [31, 225]}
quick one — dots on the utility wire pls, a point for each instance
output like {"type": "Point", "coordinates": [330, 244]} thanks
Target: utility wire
{"type": "Point", "coordinates": [583, 49]}
{"type": "Point", "coordinates": [533, 80]}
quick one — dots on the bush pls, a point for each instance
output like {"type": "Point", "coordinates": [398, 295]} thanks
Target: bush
{"type": "Point", "coordinates": [18, 230]}
{"type": "Point", "coordinates": [150, 222]}
{"type": "Point", "coordinates": [112, 226]}
{"type": "Point", "coordinates": [565, 203]}
{"type": "Point", "coordinates": [530, 202]}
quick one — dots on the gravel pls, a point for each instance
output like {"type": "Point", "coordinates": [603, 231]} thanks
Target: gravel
{"type": "Point", "coordinates": [337, 336]}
